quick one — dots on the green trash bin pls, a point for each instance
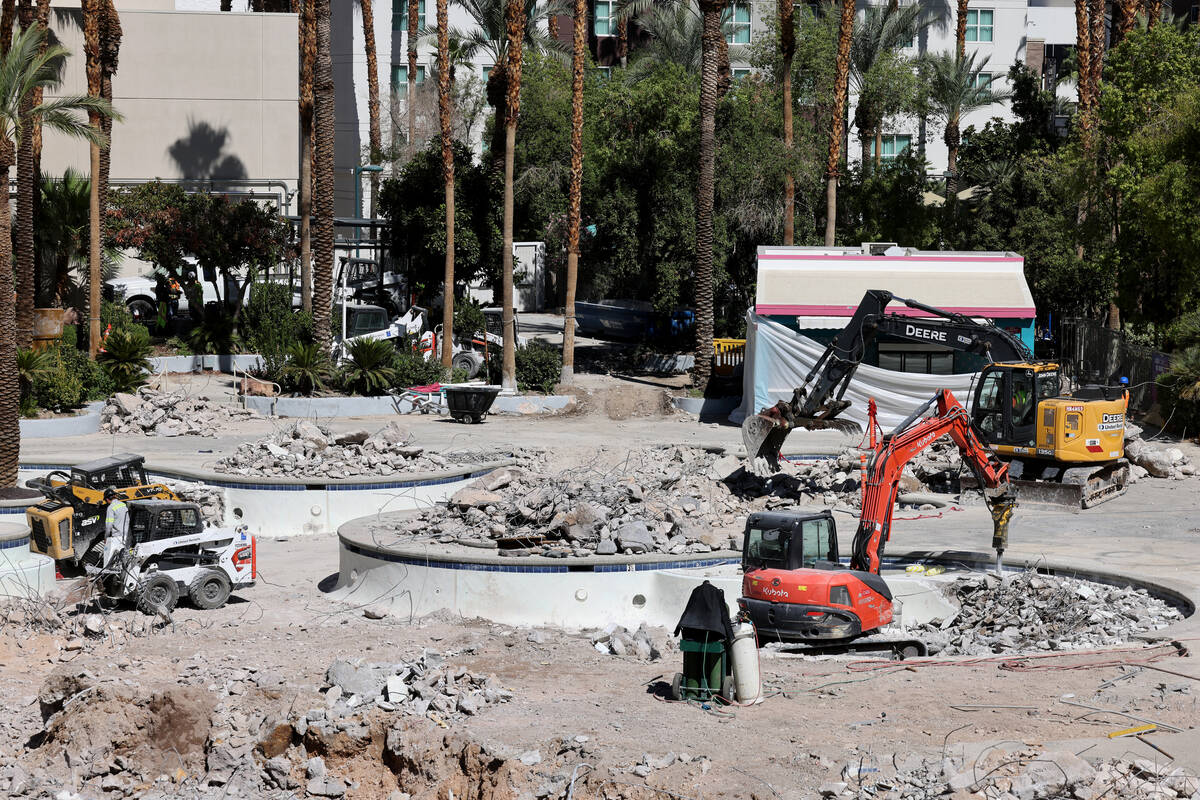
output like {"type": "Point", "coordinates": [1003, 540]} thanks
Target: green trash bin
{"type": "Point", "coordinates": [706, 671]}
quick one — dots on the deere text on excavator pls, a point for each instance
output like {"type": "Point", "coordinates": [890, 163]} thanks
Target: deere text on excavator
{"type": "Point", "coordinates": [794, 587]}
{"type": "Point", "coordinates": [1064, 448]}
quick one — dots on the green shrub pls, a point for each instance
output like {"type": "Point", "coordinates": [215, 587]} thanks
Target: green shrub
{"type": "Point", "coordinates": [368, 369]}
{"type": "Point", "coordinates": [307, 369]}
{"type": "Point", "coordinates": [413, 370]}
{"type": "Point", "coordinates": [30, 364]}
{"type": "Point", "coordinates": [59, 387]}
{"type": "Point", "coordinates": [539, 365]}
{"type": "Point", "coordinates": [178, 346]}
{"type": "Point", "coordinates": [1181, 390]}
{"type": "Point", "coordinates": [468, 318]}
{"type": "Point", "coordinates": [117, 315]}
{"type": "Point", "coordinates": [125, 358]}
{"type": "Point", "coordinates": [1183, 333]}
{"type": "Point", "coordinates": [216, 334]}
{"type": "Point", "coordinates": [270, 327]}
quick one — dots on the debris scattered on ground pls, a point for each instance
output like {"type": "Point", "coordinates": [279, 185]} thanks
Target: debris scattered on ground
{"type": "Point", "coordinates": [1153, 461]}
{"type": "Point", "coordinates": [424, 685]}
{"type": "Point", "coordinates": [306, 449]}
{"type": "Point", "coordinates": [179, 413]}
{"type": "Point", "coordinates": [1028, 611]}
{"type": "Point", "coordinates": [676, 500]}
{"type": "Point", "coordinates": [1021, 775]}
{"type": "Point", "coordinates": [618, 641]}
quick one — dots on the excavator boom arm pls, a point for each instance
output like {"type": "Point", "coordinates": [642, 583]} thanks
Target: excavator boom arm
{"type": "Point", "coordinates": [895, 450]}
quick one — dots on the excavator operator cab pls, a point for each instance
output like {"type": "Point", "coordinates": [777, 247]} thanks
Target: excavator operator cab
{"type": "Point", "coordinates": [786, 540]}
{"type": "Point", "coordinates": [1006, 401]}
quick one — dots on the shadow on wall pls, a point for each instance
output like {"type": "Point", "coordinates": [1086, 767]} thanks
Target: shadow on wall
{"type": "Point", "coordinates": [200, 155]}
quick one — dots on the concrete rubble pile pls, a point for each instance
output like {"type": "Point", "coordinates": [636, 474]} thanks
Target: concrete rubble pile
{"type": "Point", "coordinates": [1022, 775]}
{"type": "Point", "coordinates": [1156, 462]}
{"type": "Point", "coordinates": [157, 413]}
{"type": "Point", "coordinates": [416, 688]}
{"type": "Point", "coordinates": [306, 449]}
{"type": "Point", "coordinates": [210, 499]}
{"type": "Point", "coordinates": [1029, 611]}
{"type": "Point", "coordinates": [618, 641]}
{"type": "Point", "coordinates": [675, 500]}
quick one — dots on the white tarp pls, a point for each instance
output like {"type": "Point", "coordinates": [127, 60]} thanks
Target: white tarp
{"type": "Point", "coordinates": [778, 359]}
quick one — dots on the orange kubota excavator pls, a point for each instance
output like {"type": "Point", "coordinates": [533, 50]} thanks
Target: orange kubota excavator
{"type": "Point", "coordinates": [795, 588]}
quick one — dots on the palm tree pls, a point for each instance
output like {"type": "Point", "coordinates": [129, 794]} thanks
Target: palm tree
{"type": "Point", "coordinates": [787, 51]}
{"type": "Point", "coordinates": [25, 266]}
{"type": "Point", "coordinates": [444, 73]}
{"type": "Point", "coordinates": [307, 24]}
{"type": "Point", "coordinates": [374, 136]}
{"type": "Point", "coordinates": [954, 91]}
{"type": "Point", "coordinates": [574, 188]}
{"type": "Point", "coordinates": [711, 11]}
{"type": "Point", "coordinates": [841, 87]}
{"type": "Point", "coordinates": [515, 17]}
{"type": "Point", "coordinates": [675, 35]}
{"type": "Point", "coordinates": [1083, 60]}
{"type": "Point", "coordinates": [61, 237]}
{"type": "Point", "coordinates": [92, 10]}
{"type": "Point", "coordinates": [960, 32]}
{"type": "Point", "coordinates": [489, 36]}
{"type": "Point", "coordinates": [25, 66]}
{"type": "Point", "coordinates": [883, 32]}
{"type": "Point", "coordinates": [1125, 20]}
{"type": "Point", "coordinates": [323, 119]}
{"type": "Point", "coordinates": [413, 10]}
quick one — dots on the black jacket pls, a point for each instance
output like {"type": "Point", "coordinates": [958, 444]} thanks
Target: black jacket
{"type": "Point", "coordinates": [706, 611]}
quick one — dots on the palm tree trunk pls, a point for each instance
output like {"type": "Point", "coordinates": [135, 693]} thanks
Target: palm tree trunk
{"type": "Point", "coordinates": [552, 27]}
{"type": "Point", "coordinates": [413, 10]}
{"type": "Point", "coordinates": [10, 388]}
{"type": "Point", "coordinates": [1125, 21]}
{"type": "Point", "coordinates": [1083, 52]}
{"type": "Point", "coordinates": [837, 127]}
{"type": "Point", "coordinates": [91, 43]}
{"type": "Point", "coordinates": [323, 114]}
{"type": "Point", "coordinates": [374, 136]}
{"type": "Point", "coordinates": [960, 33]}
{"type": "Point", "coordinates": [864, 150]}
{"type": "Point", "coordinates": [1153, 12]}
{"type": "Point", "coordinates": [712, 38]}
{"type": "Point", "coordinates": [514, 24]}
{"type": "Point", "coordinates": [574, 189]}
{"type": "Point", "coordinates": [623, 42]}
{"type": "Point", "coordinates": [443, 57]}
{"type": "Point", "coordinates": [497, 97]}
{"type": "Point", "coordinates": [1096, 67]}
{"type": "Point", "coordinates": [878, 146]}
{"type": "Point", "coordinates": [25, 186]}
{"type": "Point", "coordinates": [42, 17]}
{"type": "Point", "coordinates": [787, 49]}
{"type": "Point", "coordinates": [7, 14]}
{"type": "Point", "coordinates": [110, 46]}
{"type": "Point", "coordinates": [952, 142]}
{"type": "Point", "coordinates": [308, 58]}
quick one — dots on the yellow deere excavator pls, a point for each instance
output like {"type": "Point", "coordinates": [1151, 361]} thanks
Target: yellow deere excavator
{"type": "Point", "coordinates": [70, 520]}
{"type": "Point", "coordinates": [1064, 448]}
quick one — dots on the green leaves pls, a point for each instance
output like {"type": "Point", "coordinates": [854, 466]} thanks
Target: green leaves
{"type": "Point", "coordinates": [125, 357]}
{"type": "Point", "coordinates": [307, 369]}
{"type": "Point", "coordinates": [368, 369]}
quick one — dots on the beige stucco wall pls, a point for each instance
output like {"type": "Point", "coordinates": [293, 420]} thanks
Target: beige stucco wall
{"type": "Point", "coordinates": [204, 95]}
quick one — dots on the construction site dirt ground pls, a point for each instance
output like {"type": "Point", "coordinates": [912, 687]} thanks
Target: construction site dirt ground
{"type": "Point", "coordinates": [823, 713]}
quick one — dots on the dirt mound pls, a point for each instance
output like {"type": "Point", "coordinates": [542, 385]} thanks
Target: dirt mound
{"type": "Point", "coordinates": [159, 731]}
{"type": "Point", "coordinates": [625, 401]}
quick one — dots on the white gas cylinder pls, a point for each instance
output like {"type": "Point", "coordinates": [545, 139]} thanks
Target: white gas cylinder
{"type": "Point", "coordinates": [746, 678]}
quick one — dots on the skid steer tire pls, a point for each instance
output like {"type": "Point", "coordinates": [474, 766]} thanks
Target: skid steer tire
{"type": "Point", "coordinates": [210, 590]}
{"type": "Point", "coordinates": [158, 594]}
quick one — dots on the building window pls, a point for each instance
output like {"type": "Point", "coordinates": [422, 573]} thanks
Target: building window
{"type": "Point", "coordinates": [400, 79]}
{"type": "Point", "coordinates": [400, 15]}
{"type": "Point", "coordinates": [985, 80]}
{"type": "Point", "coordinates": [979, 25]}
{"type": "Point", "coordinates": [737, 24]}
{"type": "Point", "coordinates": [604, 22]}
{"type": "Point", "coordinates": [604, 72]}
{"type": "Point", "coordinates": [739, 74]}
{"type": "Point", "coordinates": [904, 358]}
{"type": "Point", "coordinates": [893, 145]}
{"type": "Point", "coordinates": [486, 72]}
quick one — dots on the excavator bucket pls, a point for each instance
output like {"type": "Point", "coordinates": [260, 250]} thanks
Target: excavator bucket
{"type": "Point", "coordinates": [764, 433]}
